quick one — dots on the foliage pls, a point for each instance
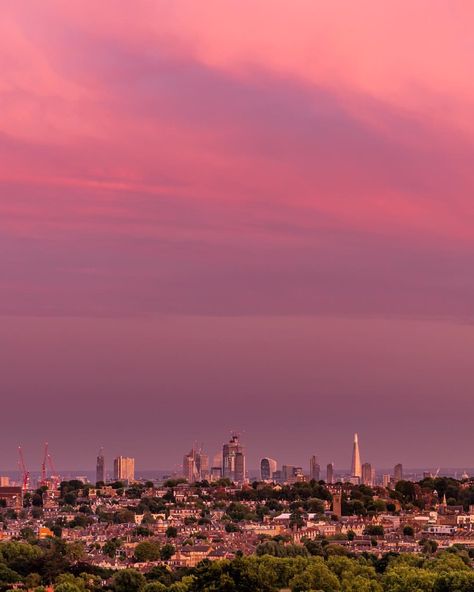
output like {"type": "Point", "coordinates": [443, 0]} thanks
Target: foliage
{"type": "Point", "coordinates": [128, 580]}
{"type": "Point", "coordinates": [147, 551]}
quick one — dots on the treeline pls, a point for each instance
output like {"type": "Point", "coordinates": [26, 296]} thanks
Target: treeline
{"type": "Point", "coordinates": [33, 566]}
{"type": "Point", "coordinates": [305, 497]}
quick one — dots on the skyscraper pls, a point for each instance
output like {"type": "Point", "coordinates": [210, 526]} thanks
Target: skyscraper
{"type": "Point", "coordinates": [356, 467]}
{"type": "Point", "coordinates": [124, 468]}
{"type": "Point", "coordinates": [398, 473]}
{"type": "Point", "coordinates": [202, 465]}
{"type": "Point", "coordinates": [268, 466]}
{"type": "Point", "coordinates": [314, 468]}
{"type": "Point", "coordinates": [216, 468]}
{"type": "Point", "coordinates": [229, 452]}
{"type": "Point", "coordinates": [195, 465]}
{"type": "Point", "coordinates": [189, 466]}
{"type": "Point", "coordinates": [100, 467]}
{"type": "Point", "coordinates": [330, 473]}
{"type": "Point", "coordinates": [239, 471]}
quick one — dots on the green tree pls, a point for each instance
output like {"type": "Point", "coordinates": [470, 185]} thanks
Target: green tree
{"type": "Point", "coordinates": [374, 530]}
{"type": "Point", "coordinates": [316, 576]}
{"type": "Point", "coordinates": [8, 576]}
{"type": "Point", "coordinates": [167, 551]}
{"type": "Point", "coordinates": [147, 551]}
{"type": "Point", "coordinates": [111, 547]}
{"type": "Point", "coordinates": [408, 579]}
{"type": "Point", "coordinates": [171, 532]}
{"type": "Point", "coordinates": [128, 580]}
{"type": "Point", "coordinates": [154, 587]}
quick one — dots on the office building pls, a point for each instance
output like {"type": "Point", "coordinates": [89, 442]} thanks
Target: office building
{"type": "Point", "coordinates": [292, 474]}
{"type": "Point", "coordinates": [330, 473]}
{"type": "Point", "coordinates": [195, 465]}
{"type": "Point", "coordinates": [386, 481]}
{"type": "Point", "coordinates": [278, 477]}
{"type": "Point", "coordinates": [189, 467]}
{"type": "Point", "coordinates": [216, 473]}
{"type": "Point", "coordinates": [124, 469]}
{"type": "Point", "coordinates": [268, 466]}
{"type": "Point", "coordinates": [216, 467]}
{"type": "Point", "coordinates": [356, 467]}
{"type": "Point", "coordinates": [100, 468]}
{"type": "Point", "coordinates": [288, 473]}
{"type": "Point", "coordinates": [202, 465]}
{"type": "Point", "coordinates": [314, 469]}
{"type": "Point", "coordinates": [239, 470]}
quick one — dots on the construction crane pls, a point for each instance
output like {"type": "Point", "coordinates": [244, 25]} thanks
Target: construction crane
{"type": "Point", "coordinates": [25, 474]}
{"type": "Point", "coordinates": [54, 474]}
{"type": "Point", "coordinates": [43, 465]}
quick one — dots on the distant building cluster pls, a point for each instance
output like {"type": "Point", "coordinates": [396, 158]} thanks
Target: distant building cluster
{"type": "Point", "coordinates": [231, 464]}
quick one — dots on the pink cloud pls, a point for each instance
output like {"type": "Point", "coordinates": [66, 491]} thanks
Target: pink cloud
{"type": "Point", "coordinates": [168, 124]}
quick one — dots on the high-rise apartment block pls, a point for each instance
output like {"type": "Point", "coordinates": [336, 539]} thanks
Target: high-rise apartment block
{"type": "Point", "coordinates": [314, 468]}
{"type": "Point", "coordinates": [124, 469]}
{"type": "Point", "coordinates": [100, 468]}
{"type": "Point", "coordinates": [268, 466]}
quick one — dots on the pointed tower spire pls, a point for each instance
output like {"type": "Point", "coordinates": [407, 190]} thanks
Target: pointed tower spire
{"type": "Point", "coordinates": [356, 467]}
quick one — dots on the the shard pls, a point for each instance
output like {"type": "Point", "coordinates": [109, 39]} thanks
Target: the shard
{"type": "Point", "coordinates": [356, 467]}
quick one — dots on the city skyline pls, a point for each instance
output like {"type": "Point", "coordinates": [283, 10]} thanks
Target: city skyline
{"type": "Point", "coordinates": [204, 231]}
{"type": "Point", "coordinates": [197, 465]}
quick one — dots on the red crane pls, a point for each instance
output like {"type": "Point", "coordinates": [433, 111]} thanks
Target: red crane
{"type": "Point", "coordinates": [24, 471]}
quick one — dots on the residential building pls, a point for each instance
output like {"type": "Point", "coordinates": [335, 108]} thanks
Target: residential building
{"type": "Point", "coordinates": [124, 469]}
{"type": "Point", "coordinates": [100, 467]}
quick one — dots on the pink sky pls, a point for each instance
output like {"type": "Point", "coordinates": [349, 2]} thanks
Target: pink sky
{"type": "Point", "coordinates": [212, 165]}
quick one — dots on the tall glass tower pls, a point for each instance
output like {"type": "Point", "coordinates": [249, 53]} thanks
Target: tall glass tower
{"type": "Point", "coordinates": [356, 467]}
